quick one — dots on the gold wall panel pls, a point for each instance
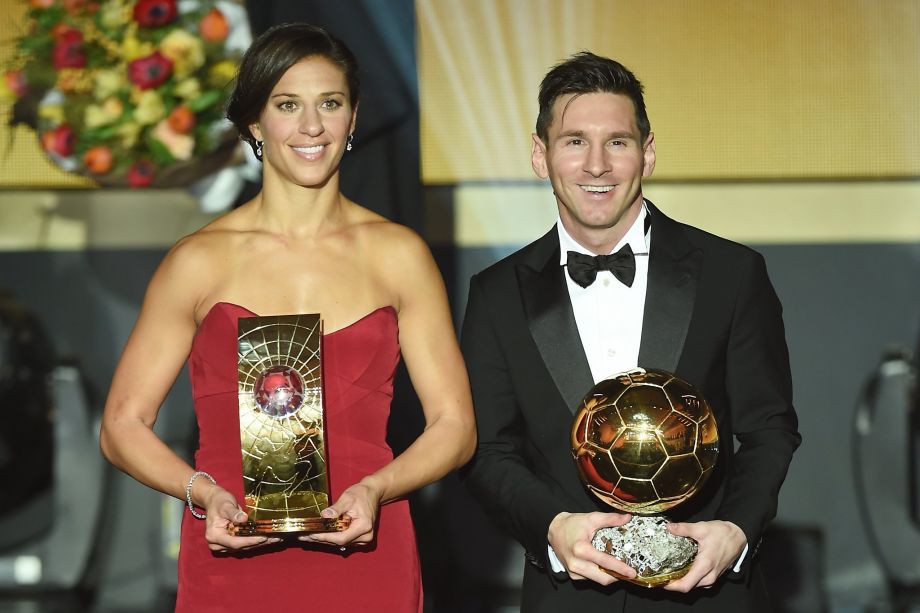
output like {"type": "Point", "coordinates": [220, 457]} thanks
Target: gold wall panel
{"type": "Point", "coordinates": [740, 90]}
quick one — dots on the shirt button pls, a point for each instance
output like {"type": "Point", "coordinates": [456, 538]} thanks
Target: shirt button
{"type": "Point", "coordinates": [611, 352]}
{"type": "Point", "coordinates": [606, 282]}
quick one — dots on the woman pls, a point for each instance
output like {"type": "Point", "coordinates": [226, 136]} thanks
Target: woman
{"type": "Point", "coordinates": [298, 247]}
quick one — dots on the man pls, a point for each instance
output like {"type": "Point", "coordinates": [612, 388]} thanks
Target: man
{"type": "Point", "coordinates": [543, 325]}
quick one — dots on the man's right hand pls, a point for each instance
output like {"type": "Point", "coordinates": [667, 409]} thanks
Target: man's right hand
{"type": "Point", "coordinates": [570, 537]}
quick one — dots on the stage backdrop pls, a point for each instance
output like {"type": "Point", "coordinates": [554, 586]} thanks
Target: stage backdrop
{"type": "Point", "coordinates": [735, 90]}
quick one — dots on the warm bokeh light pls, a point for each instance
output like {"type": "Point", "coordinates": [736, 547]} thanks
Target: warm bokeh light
{"type": "Point", "coordinates": [764, 90]}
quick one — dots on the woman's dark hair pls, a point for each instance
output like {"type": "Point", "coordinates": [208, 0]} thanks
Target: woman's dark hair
{"type": "Point", "coordinates": [586, 73]}
{"type": "Point", "coordinates": [269, 57]}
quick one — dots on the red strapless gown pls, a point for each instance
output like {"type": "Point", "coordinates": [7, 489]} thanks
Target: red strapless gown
{"type": "Point", "coordinates": [358, 366]}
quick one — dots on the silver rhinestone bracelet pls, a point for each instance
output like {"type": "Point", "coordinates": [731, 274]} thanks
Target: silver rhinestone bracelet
{"type": "Point", "coordinates": [188, 491]}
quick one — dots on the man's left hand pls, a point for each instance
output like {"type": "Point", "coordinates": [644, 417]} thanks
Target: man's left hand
{"type": "Point", "coordinates": [720, 542]}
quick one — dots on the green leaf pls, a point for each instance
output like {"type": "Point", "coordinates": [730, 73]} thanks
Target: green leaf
{"type": "Point", "coordinates": [101, 134]}
{"type": "Point", "coordinates": [159, 153]}
{"type": "Point", "coordinates": [206, 99]}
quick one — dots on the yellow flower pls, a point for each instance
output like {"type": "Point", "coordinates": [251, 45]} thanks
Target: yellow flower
{"type": "Point", "coordinates": [221, 73]}
{"type": "Point", "coordinates": [113, 106]}
{"type": "Point", "coordinates": [108, 82]}
{"type": "Point", "coordinates": [185, 51]}
{"type": "Point", "coordinates": [94, 116]}
{"type": "Point", "coordinates": [150, 108]}
{"type": "Point", "coordinates": [132, 48]}
{"type": "Point", "coordinates": [75, 81]}
{"type": "Point", "coordinates": [188, 89]}
{"type": "Point", "coordinates": [114, 14]}
{"type": "Point", "coordinates": [128, 132]}
{"type": "Point", "coordinates": [102, 115]}
{"type": "Point", "coordinates": [180, 146]}
{"type": "Point", "coordinates": [52, 112]}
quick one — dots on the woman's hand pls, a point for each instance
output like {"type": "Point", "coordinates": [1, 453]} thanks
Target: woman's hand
{"type": "Point", "coordinates": [360, 503]}
{"type": "Point", "coordinates": [222, 512]}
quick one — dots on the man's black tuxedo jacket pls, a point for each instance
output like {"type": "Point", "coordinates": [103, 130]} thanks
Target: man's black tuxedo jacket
{"type": "Point", "coordinates": [711, 316]}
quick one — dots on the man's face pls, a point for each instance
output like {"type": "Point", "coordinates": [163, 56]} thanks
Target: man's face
{"type": "Point", "coordinates": [595, 159]}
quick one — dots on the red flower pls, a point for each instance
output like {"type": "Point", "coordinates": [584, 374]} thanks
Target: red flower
{"type": "Point", "coordinates": [141, 173]}
{"type": "Point", "coordinates": [155, 13]}
{"type": "Point", "coordinates": [151, 71]}
{"type": "Point", "coordinates": [68, 50]}
{"type": "Point", "coordinates": [60, 140]}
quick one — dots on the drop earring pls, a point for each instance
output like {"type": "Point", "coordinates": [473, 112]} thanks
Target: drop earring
{"type": "Point", "coordinates": [259, 149]}
{"type": "Point", "coordinates": [348, 145]}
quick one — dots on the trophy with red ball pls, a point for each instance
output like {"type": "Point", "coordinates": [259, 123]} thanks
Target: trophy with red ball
{"type": "Point", "coordinates": [282, 427]}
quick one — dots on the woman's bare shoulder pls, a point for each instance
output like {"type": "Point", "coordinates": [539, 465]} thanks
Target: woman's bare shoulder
{"type": "Point", "coordinates": [371, 226]}
{"type": "Point", "coordinates": [400, 257]}
{"type": "Point", "coordinates": [390, 240]}
{"type": "Point", "coordinates": [196, 248]}
{"type": "Point", "coordinates": [219, 235]}
{"type": "Point", "coordinates": [201, 254]}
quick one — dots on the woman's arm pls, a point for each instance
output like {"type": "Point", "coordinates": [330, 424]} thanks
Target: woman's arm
{"type": "Point", "coordinates": [436, 368]}
{"type": "Point", "coordinates": [153, 356]}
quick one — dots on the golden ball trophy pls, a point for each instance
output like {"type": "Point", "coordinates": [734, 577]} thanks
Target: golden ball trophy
{"type": "Point", "coordinates": [644, 441]}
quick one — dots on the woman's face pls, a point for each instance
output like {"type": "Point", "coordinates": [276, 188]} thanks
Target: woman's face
{"type": "Point", "coordinates": [306, 123]}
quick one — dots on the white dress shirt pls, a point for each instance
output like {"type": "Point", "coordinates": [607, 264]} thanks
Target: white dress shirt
{"type": "Point", "coordinates": [607, 312]}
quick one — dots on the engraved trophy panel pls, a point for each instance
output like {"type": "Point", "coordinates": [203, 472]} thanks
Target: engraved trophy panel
{"type": "Point", "coordinates": [644, 441]}
{"type": "Point", "coordinates": [282, 428]}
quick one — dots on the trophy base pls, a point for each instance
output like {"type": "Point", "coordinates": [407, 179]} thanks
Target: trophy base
{"type": "Point", "coordinates": [290, 526]}
{"type": "Point", "coordinates": [651, 580]}
{"type": "Point", "coordinates": [645, 544]}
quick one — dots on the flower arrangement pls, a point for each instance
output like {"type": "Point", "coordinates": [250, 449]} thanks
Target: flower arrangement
{"type": "Point", "coordinates": [126, 92]}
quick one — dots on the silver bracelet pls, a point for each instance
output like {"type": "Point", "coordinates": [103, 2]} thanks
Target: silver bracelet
{"type": "Point", "coordinates": [188, 491]}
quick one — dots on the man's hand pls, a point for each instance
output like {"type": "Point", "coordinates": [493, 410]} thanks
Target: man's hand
{"type": "Point", "coordinates": [570, 537]}
{"type": "Point", "coordinates": [721, 543]}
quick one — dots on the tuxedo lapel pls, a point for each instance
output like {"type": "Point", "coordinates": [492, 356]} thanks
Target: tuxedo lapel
{"type": "Point", "coordinates": [674, 267]}
{"type": "Point", "coordinates": [551, 320]}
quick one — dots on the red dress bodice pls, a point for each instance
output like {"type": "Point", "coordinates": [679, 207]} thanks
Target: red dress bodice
{"type": "Point", "coordinates": [359, 362]}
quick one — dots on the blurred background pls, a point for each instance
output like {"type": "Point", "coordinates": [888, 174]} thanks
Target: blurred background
{"type": "Point", "coordinates": [789, 125]}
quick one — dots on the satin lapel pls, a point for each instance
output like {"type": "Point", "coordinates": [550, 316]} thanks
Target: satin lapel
{"type": "Point", "coordinates": [552, 321]}
{"type": "Point", "coordinates": [674, 268]}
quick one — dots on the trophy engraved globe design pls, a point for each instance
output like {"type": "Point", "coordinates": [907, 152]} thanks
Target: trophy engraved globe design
{"type": "Point", "coordinates": [282, 426]}
{"type": "Point", "coordinates": [644, 441]}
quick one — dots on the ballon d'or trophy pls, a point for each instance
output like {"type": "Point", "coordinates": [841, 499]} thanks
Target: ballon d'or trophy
{"type": "Point", "coordinates": [645, 441]}
{"type": "Point", "coordinates": [282, 436]}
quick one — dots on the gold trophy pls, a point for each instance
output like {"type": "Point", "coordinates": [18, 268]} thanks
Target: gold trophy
{"type": "Point", "coordinates": [282, 435]}
{"type": "Point", "coordinates": [644, 441]}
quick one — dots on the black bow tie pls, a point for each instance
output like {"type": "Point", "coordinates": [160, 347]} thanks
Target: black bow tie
{"type": "Point", "coordinates": [583, 268]}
